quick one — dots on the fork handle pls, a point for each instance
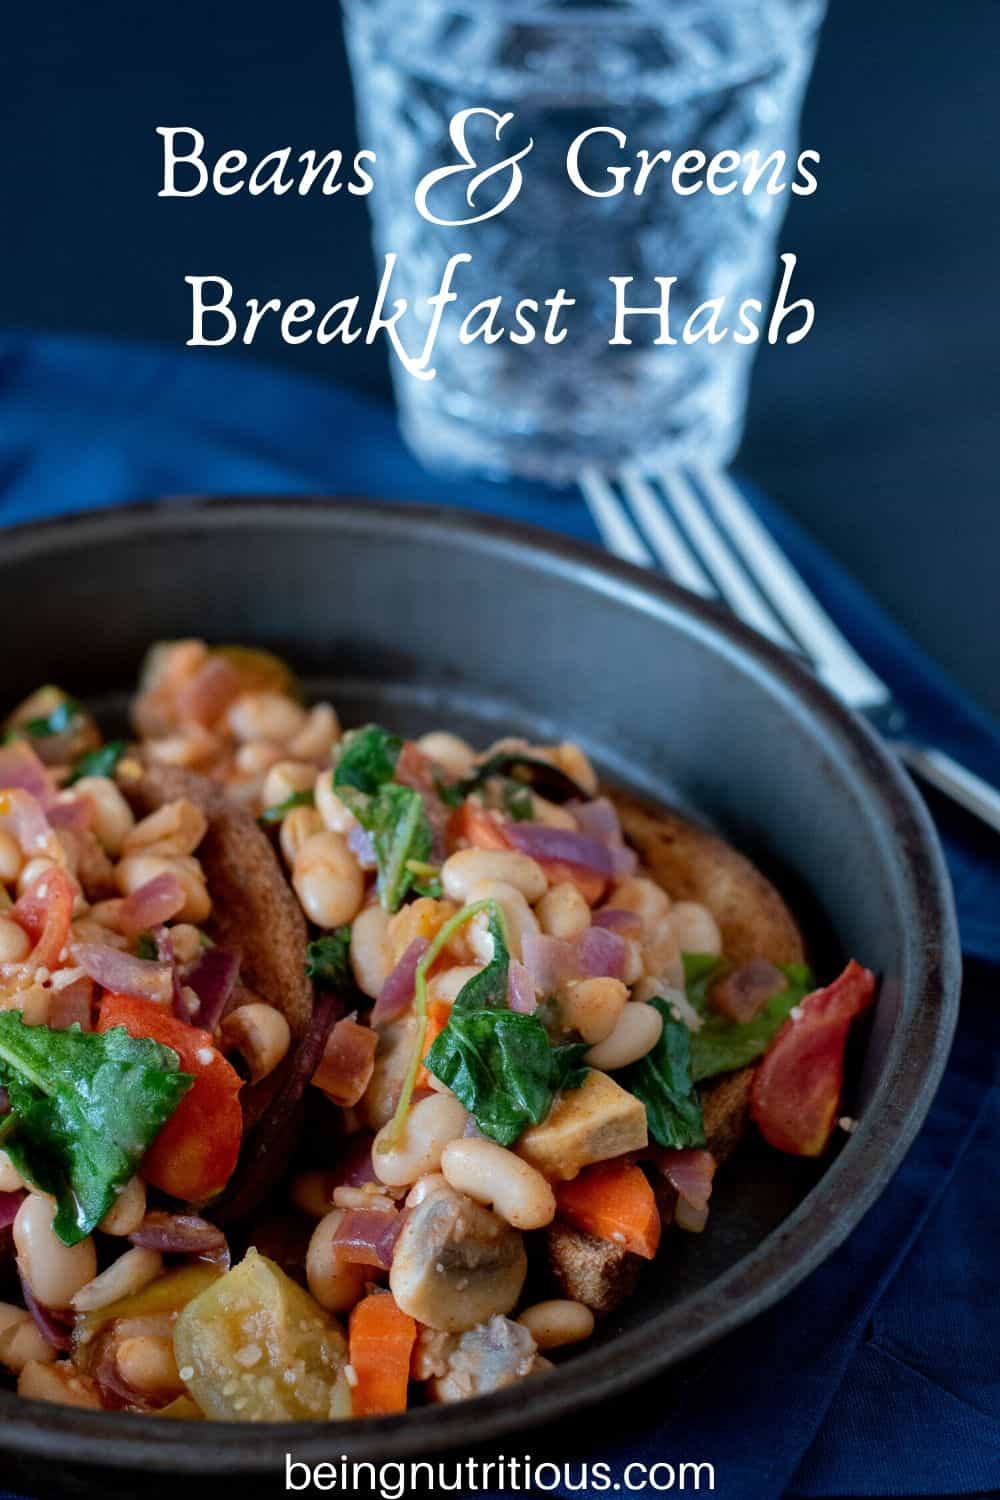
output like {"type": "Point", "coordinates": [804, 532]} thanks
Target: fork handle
{"type": "Point", "coordinates": [961, 785]}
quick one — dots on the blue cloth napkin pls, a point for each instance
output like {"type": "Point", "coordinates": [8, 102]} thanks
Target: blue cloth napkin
{"type": "Point", "coordinates": [881, 1374]}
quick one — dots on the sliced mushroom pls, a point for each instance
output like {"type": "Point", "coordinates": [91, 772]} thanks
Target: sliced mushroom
{"type": "Point", "coordinates": [485, 1359]}
{"type": "Point", "coordinates": [456, 1264]}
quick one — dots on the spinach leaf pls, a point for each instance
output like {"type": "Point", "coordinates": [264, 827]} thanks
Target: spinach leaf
{"type": "Point", "coordinates": [662, 1080]}
{"type": "Point", "coordinates": [502, 1067]}
{"type": "Point", "coordinates": [722, 1045]}
{"type": "Point", "coordinates": [366, 759]}
{"type": "Point", "coordinates": [102, 762]}
{"type": "Point", "coordinates": [568, 1068]}
{"type": "Point", "coordinates": [487, 990]}
{"type": "Point", "coordinates": [518, 802]}
{"type": "Point", "coordinates": [328, 962]}
{"type": "Point", "coordinates": [699, 971]}
{"type": "Point", "coordinates": [146, 946]}
{"type": "Point", "coordinates": [84, 1108]}
{"type": "Point", "coordinates": [62, 718]}
{"type": "Point", "coordinates": [276, 813]}
{"type": "Point", "coordinates": [519, 766]}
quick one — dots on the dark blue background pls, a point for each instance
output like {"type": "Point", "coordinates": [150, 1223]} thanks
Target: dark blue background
{"type": "Point", "coordinates": [879, 431]}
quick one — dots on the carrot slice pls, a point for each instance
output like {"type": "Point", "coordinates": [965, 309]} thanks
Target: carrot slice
{"type": "Point", "coordinates": [614, 1201]}
{"type": "Point", "coordinates": [381, 1339]}
{"type": "Point", "coordinates": [438, 1012]}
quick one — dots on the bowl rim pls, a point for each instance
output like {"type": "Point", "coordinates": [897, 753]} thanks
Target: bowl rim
{"type": "Point", "coordinates": [754, 1283]}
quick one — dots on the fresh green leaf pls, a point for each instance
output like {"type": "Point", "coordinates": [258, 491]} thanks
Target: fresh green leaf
{"type": "Point", "coordinates": [85, 1106]}
{"type": "Point", "coordinates": [102, 762]}
{"type": "Point", "coordinates": [328, 961]}
{"type": "Point", "coordinates": [662, 1080]}
{"type": "Point", "coordinates": [518, 802]}
{"type": "Point", "coordinates": [275, 814]}
{"type": "Point", "coordinates": [514, 765]}
{"type": "Point", "coordinates": [145, 946]}
{"type": "Point", "coordinates": [501, 1066]}
{"type": "Point", "coordinates": [722, 1045]}
{"type": "Point", "coordinates": [700, 969]}
{"type": "Point", "coordinates": [366, 759]}
{"type": "Point", "coordinates": [568, 1068]}
{"type": "Point", "coordinates": [62, 718]}
{"type": "Point", "coordinates": [487, 990]}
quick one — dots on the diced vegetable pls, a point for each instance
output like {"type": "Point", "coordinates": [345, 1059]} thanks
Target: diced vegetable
{"type": "Point", "coordinates": [83, 1110]}
{"type": "Point", "coordinates": [381, 1343]}
{"type": "Point", "coordinates": [595, 1122]}
{"type": "Point", "coordinates": [101, 762]}
{"type": "Point", "coordinates": [662, 1080]}
{"type": "Point", "coordinates": [721, 1045]}
{"type": "Point", "coordinates": [438, 1014]}
{"type": "Point", "coordinates": [796, 1090]}
{"type": "Point", "coordinates": [44, 911]}
{"type": "Point", "coordinates": [236, 1342]}
{"type": "Point", "coordinates": [328, 961]}
{"type": "Point", "coordinates": [168, 1295]}
{"type": "Point", "coordinates": [615, 1201]}
{"type": "Point", "coordinates": [395, 816]}
{"type": "Point", "coordinates": [280, 810]}
{"type": "Point", "coordinates": [472, 824]}
{"type": "Point", "coordinates": [260, 671]}
{"type": "Point", "coordinates": [196, 1152]}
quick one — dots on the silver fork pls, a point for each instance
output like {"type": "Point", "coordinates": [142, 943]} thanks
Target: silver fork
{"type": "Point", "coordinates": [695, 524]}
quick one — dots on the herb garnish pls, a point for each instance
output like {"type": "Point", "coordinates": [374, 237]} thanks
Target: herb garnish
{"type": "Point", "coordinates": [276, 813]}
{"type": "Point", "coordinates": [328, 962]}
{"type": "Point", "coordinates": [394, 815]}
{"type": "Point", "coordinates": [84, 1108]}
{"type": "Point", "coordinates": [514, 765]}
{"type": "Point", "coordinates": [101, 762]}
{"type": "Point", "coordinates": [663, 1081]}
{"type": "Point", "coordinates": [721, 1045]}
{"type": "Point", "coordinates": [62, 719]}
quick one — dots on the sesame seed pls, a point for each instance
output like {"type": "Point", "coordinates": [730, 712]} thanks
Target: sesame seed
{"type": "Point", "coordinates": [186, 1372]}
{"type": "Point", "coordinates": [796, 1013]}
{"type": "Point", "coordinates": [204, 1056]}
{"type": "Point", "coordinates": [847, 1124]}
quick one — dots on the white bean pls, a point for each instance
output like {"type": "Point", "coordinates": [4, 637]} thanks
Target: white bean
{"type": "Point", "coordinates": [520, 919]}
{"type": "Point", "coordinates": [636, 1033]}
{"type": "Point", "coordinates": [328, 880]}
{"type": "Point", "coordinates": [136, 870]}
{"type": "Point", "coordinates": [558, 1322]}
{"type": "Point", "coordinates": [54, 1271]}
{"type": "Point", "coordinates": [469, 867]}
{"type": "Point", "coordinates": [266, 716]}
{"type": "Point", "coordinates": [592, 1007]}
{"type": "Point", "coordinates": [563, 912]}
{"type": "Point", "coordinates": [652, 906]}
{"type": "Point", "coordinates": [695, 929]}
{"type": "Point", "coordinates": [430, 1125]}
{"type": "Point", "coordinates": [128, 1210]}
{"type": "Point", "coordinates": [296, 827]}
{"type": "Point", "coordinates": [492, 1175]}
{"type": "Point", "coordinates": [371, 950]}
{"type": "Point", "coordinates": [449, 983]}
{"type": "Point", "coordinates": [125, 1276]}
{"type": "Point", "coordinates": [61, 1384]}
{"type": "Point", "coordinates": [11, 1180]}
{"type": "Point", "coordinates": [11, 859]}
{"type": "Point", "coordinates": [335, 815]}
{"type": "Point", "coordinates": [336, 1283]}
{"type": "Point", "coordinates": [33, 1003]}
{"type": "Point", "coordinates": [15, 944]}
{"type": "Point", "coordinates": [448, 752]}
{"type": "Point", "coordinates": [21, 1339]}
{"type": "Point", "coordinates": [571, 759]}
{"type": "Point", "coordinates": [31, 871]}
{"type": "Point", "coordinates": [260, 1034]}
{"type": "Point", "coordinates": [175, 828]}
{"type": "Point", "coordinates": [256, 759]}
{"type": "Point", "coordinates": [284, 779]}
{"type": "Point", "coordinates": [423, 1187]}
{"type": "Point", "coordinates": [113, 818]}
{"type": "Point", "coordinates": [187, 942]}
{"type": "Point", "coordinates": [146, 1362]}
{"type": "Point", "coordinates": [318, 735]}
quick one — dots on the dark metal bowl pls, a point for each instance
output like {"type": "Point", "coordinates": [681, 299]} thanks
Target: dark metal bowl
{"type": "Point", "coordinates": [428, 617]}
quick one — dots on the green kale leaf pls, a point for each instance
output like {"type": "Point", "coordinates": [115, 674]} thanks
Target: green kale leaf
{"type": "Point", "coordinates": [275, 814]}
{"type": "Point", "coordinates": [366, 759]}
{"type": "Point", "coordinates": [663, 1081]}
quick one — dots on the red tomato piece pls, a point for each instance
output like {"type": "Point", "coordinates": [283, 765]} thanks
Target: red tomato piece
{"type": "Point", "coordinates": [795, 1094]}
{"type": "Point", "coordinates": [471, 824]}
{"type": "Point", "coordinates": [195, 1154]}
{"type": "Point", "coordinates": [44, 912]}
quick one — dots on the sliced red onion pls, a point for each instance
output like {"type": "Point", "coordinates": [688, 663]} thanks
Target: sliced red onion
{"type": "Point", "coordinates": [272, 1116]}
{"type": "Point", "coordinates": [347, 1063]}
{"type": "Point", "coordinates": [599, 818]}
{"type": "Point", "coordinates": [9, 1205]}
{"type": "Point", "coordinates": [123, 973]}
{"type": "Point", "coordinates": [690, 1173]}
{"type": "Point", "coordinates": [552, 962]}
{"type": "Point", "coordinates": [72, 1005]}
{"type": "Point", "coordinates": [213, 978]}
{"type": "Point", "coordinates": [741, 993]}
{"type": "Point", "coordinates": [543, 842]}
{"type": "Point", "coordinates": [520, 989]}
{"type": "Point", "coordinates": [628, 924]}
{"type": "Point", "coordinates": [368, 1236]}
{"type": "Point", "coordinates": [53, 1324]}
{"type": "Point", "coordinates": [355, 1167]}
{"type": "Point", "coordinates": [20, 768]}
{"type": "Point", "coordinates": [178, 1234]}
{"type": "Point", "coordinates": [397, 992]}
{"type": "Point", "coordinates": [72, 812]}
{"type": "Point", "coordinates": [22, 816]}
{"type": "Point", "coordinates": [362, 846]}
{"type": "Point", "coordinates": [151, 905]}
{"type": "Point", "coordinates": [165, 949]}
{"type": "Point", "coordinates": [206, 696]}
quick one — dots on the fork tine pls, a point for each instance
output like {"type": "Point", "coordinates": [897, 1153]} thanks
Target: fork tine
{"type": "Point", "coordinates": [836, 660]}
{"type": "Point", "coordinates": [611, 518]}
{"type": "Point", "coordinates": [734, 585]}
{"type": "Point", "coordinates": [667, 542]}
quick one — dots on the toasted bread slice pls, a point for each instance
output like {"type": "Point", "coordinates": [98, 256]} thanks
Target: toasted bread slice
{"type": "Point", "coordinates": [690, 864]}
{"type": "Point", "coordinates": [254, 909]}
